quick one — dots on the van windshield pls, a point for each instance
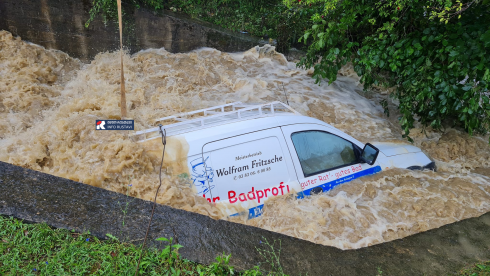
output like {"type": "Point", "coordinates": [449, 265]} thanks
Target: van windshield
{"type": "Point", "coordinates": [320, 151]}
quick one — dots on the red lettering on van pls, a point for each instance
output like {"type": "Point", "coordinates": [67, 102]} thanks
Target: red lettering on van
{"type": "Point", "coordinates": [323, 177]}
{"type": "Point", "coordinates": [260, 194]}
{"type": "Point", "coordinates": [253, 194]}
{"type": "Point", "coordinates": [281, 187]}
{"type": "Point", "coordinates": [242, 197]}
{"type": "Point", "coordinates": [231, 195]}
{"type": "Point", "coordinates": [209, 200]}
{"type": "Point", "coordinates": [356, 168]}
{"type": "Point", "coordinates": [342, 173]}
{"type": "Point", "coordinates": [308, 183]}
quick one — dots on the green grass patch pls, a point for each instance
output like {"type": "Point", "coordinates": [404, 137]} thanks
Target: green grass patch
{"type": "Point", "coordinates": [37, 249]}
{"type": "Point", "coordinates": [478, 269]}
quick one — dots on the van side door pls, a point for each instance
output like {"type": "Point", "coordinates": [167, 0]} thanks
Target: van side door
{"type": "Point", "coordinates": [324, 157]}
{"type": "Point", "coordinates": [248, 169]}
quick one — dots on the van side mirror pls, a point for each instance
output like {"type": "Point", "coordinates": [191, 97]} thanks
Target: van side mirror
{"type": "Point", "coordinates": [369, 154]}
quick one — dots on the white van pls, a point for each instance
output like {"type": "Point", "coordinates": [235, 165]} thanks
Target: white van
{"type": "Point", "coordinates": [241, 155]}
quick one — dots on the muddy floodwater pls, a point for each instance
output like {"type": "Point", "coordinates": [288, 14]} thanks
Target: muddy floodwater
{"type": "Point", "coordinates": [49, 102]}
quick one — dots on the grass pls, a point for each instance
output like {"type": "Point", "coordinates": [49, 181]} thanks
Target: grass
{"type": "Point", "coordinates": [37, 249]}
{"type": "Point", "coordinates": [478, 269]}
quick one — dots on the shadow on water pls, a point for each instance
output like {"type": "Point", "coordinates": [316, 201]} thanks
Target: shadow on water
{"type": "Point", "coordinates": [60, 24]}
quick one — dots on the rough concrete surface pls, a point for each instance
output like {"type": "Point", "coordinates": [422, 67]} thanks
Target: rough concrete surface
{"type": "Point", "coordinates": [38, 197]}
{"type": "Point", "coordinates": [60, 25]}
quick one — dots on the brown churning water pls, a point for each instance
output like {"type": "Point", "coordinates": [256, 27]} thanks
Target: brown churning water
{"type": "Point", "coordinates": [49, 103]}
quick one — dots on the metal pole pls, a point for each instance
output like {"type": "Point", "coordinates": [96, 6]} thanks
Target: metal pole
{"type": "Point", "coordinates": [123, 89]}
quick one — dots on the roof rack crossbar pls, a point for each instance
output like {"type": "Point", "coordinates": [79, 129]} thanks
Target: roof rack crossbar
{"type": "Point", "coordinates": [214, 116]}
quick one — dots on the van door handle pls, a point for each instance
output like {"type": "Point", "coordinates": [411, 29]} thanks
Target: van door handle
{"type": "Point", "coordinates": [316, 190]}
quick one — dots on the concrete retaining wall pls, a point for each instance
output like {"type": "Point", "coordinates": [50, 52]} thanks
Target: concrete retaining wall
{"type": "Point", "coordinates": [59, 24]}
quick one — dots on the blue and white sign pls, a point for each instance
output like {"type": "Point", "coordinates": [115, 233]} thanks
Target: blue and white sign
{"type": "Point", "coordinates": [114, 124]}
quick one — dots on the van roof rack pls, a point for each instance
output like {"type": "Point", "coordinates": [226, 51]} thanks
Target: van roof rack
{"type": "Point", "coordinates": [213, 116]}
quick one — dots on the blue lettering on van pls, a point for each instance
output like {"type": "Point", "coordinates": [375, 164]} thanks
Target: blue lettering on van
{"type": "Point", "coordinates": [255, 211]}
{"type": "Point", "coordinates": [252, 212]}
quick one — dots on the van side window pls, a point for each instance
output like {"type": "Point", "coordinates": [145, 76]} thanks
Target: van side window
{"type": "Point", "coordinates": [320, 151]}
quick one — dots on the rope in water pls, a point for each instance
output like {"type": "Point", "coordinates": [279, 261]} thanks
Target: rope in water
{"type": "Point", "coordinates": [163, 132]}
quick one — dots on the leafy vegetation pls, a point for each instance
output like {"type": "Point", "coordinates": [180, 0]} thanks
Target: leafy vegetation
{"type": "Point", "coordinates": [37, 249]}
{"type": "Point", "coordinates": [269, 19]}
{"type": "Point", "coordinates": [260, 18]}
{"type": "Point", "coordinates": [108, 8]}
{"type": "Point", "coordinates": [436, 53]}
{"type": "Point", "coordinates": [479, 269]}
{"type": "Point", "coordinates": [271, 257]}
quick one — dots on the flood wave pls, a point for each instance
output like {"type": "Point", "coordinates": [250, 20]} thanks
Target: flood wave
{"type": "Point", "coordinates": [49, 103]}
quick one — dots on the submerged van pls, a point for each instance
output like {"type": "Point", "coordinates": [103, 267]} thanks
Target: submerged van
{"type": "Point", "coordinates": [239, 156]}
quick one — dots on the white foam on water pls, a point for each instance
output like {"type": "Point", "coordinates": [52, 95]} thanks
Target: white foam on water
{"type": "Point", "coordinates": [49, 103]}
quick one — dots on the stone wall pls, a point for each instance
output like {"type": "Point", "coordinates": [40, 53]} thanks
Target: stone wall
{"type": "Point", "coordinates": [60, 24]}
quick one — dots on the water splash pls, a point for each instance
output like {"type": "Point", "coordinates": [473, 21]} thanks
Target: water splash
{"type": "Point", "coordinates": [49, 102]}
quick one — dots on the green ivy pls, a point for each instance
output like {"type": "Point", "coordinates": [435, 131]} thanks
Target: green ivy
{"type": "Point", "coordinates": [108, 8]}
{"type": "Point", "coordinates": [439, 62]}
{"type": "Point", "coordinates": [270, 19]}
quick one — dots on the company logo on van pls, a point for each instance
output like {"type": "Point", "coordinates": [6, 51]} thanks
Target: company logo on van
{"type": "Point", "coordinates": [202, 176]}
